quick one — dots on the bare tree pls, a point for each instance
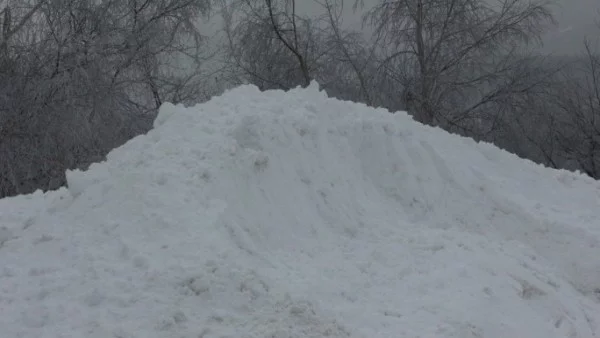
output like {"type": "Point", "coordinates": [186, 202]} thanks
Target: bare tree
{"type": "Point", "coordinates": [578, 106]}
{"type": "Point", "coordinates": [269, 43]}
{"type": "Point", "coordinates": [272, 45]}
{"type": "Point", "coordinates": [530, 121]}
{"type": "Point", "coordinates": [452, 58]}
{"type": "Point", "coordinates": [559, 125]}
{"type": "Point", "coordinates": [350, 56]}
{"type": "Point", "coordinates": [79, 77]}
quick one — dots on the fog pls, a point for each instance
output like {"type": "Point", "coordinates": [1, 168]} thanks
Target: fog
{"type": "Point", "coordinates": [576, 20]}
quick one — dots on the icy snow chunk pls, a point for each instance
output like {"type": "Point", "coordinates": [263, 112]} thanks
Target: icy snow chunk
{"type": "Point", "coordinates": [78, 181]}
{"type": "Point", "coordinates": [247, 133]}
{"type": "Point", "coordinates": [5, 234]}
{"type": "Point", "coordinates": [165, 111]}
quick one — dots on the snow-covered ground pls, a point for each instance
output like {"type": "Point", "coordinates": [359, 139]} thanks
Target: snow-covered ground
{"type": "Point", "coordinates": [293, 215]}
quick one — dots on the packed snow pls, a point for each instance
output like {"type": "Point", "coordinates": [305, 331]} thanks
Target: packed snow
{"type": "Point", "coordinates": [293, 215]}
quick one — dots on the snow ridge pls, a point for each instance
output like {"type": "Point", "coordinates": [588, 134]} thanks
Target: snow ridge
{"type": "Point", "coordinates": [296, 215]}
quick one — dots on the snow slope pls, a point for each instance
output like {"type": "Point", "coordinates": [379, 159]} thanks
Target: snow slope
{"type": "Point", "coordinates": [294, 215]}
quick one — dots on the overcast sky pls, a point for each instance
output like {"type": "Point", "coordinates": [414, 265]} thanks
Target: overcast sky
{"type": "Point", "coordinates": [576, 19]}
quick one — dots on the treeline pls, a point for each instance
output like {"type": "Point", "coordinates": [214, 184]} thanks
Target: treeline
{"type": "Point", "coordinates": [80, 77]}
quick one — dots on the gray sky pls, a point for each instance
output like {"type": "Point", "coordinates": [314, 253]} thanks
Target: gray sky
{"type": "Point", "coordinates": [576, 19]}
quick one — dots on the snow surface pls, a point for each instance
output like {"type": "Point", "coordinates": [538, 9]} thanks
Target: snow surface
{"type": "Point", "coordinates": [295, 215]}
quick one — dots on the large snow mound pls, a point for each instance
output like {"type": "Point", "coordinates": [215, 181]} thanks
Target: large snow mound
{"type": "Point", "coordinates": [295, 215]}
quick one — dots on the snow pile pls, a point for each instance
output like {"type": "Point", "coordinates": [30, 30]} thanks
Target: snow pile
{"type": "Point", "coordinates": [295, 215]}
